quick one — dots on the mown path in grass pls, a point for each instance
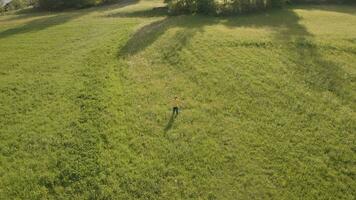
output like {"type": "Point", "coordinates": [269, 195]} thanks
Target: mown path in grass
{"type": "Point", "coordinates": [268, 104]}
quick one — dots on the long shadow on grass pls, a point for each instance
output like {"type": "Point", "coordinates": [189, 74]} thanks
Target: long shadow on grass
{"type": "Point", "coordinates": [148, 34]}
{"type": "Point", "coordinates": [344, 9]}
{"type": "Point", "coordinates": [39, 24]}
{"type": "Point", "coordinates": [169, 124]}
{"type": "Point", "coordinates": [54, 20]}
{"type": "Point", "coordinates": [154, 12]}
{"type": "Point", "coordinates": [310, 66]}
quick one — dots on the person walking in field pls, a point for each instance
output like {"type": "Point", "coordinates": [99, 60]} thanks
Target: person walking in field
{"type": "Point", "coordinates": [176, 106]}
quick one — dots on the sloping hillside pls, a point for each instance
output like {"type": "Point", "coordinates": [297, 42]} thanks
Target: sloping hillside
{"type": "Point", "coordinates": [268, 104]}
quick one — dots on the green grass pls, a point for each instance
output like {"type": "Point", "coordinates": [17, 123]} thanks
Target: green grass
{"type": "Point", "coordinates": [269, 104]}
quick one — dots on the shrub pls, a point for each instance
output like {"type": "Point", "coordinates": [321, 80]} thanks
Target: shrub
{"type": "Point", "coordinates": [226, 7]}
{"type": "Point", "coordinates": [220, 7]}
{"type": "Point", "coordinates": [206, 6]}
{"type": "Point", "coordinates": [278, 3]}
{"type": "Point", "coordinates": [61, 4]}
{"type": "Point", "coordinates": [323, 1]}
{"type": "Point", "coordinates": [17, 4]}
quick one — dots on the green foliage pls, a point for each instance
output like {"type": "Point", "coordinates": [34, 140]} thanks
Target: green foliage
{"type": "Point", "coordinates": [226, 7]}
{"type": "Point", "coordinates": [205, 6]}
{"type": "Point", "coordinates": [218, 7]}
{"type": "Point", "coordinates": [18, 4]}
{"type": "Point", "coordinates": [268, 104]}
{"type": "Point", "coordinates": [61, 4]}
{"type": "Point", "coordinates": [278, 3]}
{"type": "Point", "coordinates": [321, 1]}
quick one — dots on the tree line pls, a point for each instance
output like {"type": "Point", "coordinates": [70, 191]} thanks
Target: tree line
{"type": "Point", "coordinates": [53, 4]}
{"type": "Point", "coordinates": [226, 7]}
{"type": "Point", "coordinates": [212, 7]}
{"type": "Point", "coordinates": [61, 4]}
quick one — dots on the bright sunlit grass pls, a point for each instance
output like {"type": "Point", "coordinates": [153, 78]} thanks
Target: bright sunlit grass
{"type": "Point", "coordinates": [268, 104]}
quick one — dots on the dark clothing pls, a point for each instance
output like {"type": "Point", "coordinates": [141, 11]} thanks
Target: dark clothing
{"type": "Point", "coordinates": [175, 111]}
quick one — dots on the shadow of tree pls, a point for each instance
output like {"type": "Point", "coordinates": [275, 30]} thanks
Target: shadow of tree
{"type": "Point", "coordinates": [154, 12]}
{"type": "Point", "coordinates": [310, 66]}
{"type": "Point", "coordinates": [319, 73]}
{"type": "Point", "coordinates": [25, 13]}
{"type": "Point", "coordinates": [144, 37]}
{"type": "Point", "coordinates": [148, 34]}
{"type": "Point", "coordinates": [39, 24]}
{"type": "Point", "coordinates": [115, 5]}
{"type": "Point", "coordinates": [54, 20]}
{"type": "Point", "coordinates": [344, 9]}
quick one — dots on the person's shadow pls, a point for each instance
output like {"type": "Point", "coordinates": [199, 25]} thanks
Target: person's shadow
{"type": "Point", "coordinates": [170, 123]}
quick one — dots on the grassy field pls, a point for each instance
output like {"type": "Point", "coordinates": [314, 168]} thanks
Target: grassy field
{"type": "Point", "coordinates": [269, 104]}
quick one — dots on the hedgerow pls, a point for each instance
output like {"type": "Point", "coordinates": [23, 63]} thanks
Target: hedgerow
{"type": "Point", "coordinates": [61, 4]}
{"type": "Point", "coordinates": [224, 7]}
